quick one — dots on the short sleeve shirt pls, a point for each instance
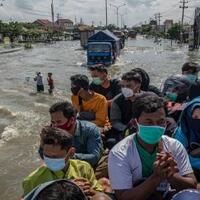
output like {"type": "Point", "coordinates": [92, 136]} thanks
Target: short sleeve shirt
{"type": "Point", "coordinates": [77, 169]}
{"type": "Point", "coordinates": [125, 167]}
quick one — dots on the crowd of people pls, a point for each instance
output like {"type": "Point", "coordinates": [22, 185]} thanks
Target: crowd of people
{"type": "Point", "coordinates": [121, 139]}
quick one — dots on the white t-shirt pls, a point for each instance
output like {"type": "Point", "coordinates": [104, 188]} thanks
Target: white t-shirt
{"type": "Point", "coordinates": [125, 167]}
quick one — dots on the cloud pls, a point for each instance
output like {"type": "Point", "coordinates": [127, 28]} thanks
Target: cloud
{"type": "Point", "coordinates": [93, 10]}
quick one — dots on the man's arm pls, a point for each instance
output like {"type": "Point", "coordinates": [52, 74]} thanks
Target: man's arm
{"type": "Point", "coordinates": [115, 117]}
{"type": "Point", "coordinates": [94, 147]}
{"type": "Point", "coordinates": [183, 182]}
{"type": "Point", "coordinates": [102, 113]}
{"type": "Point", "coordinates": [140, 192]}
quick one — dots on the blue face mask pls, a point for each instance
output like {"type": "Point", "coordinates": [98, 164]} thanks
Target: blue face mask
{"type": "Point", "coordinates": [150, 134]}
{"type": "Point", "coordinates": [192, 78]}
{"type": "Point", "coordinates": [55, 164]}
{"type": "Point", "coordinates": [171, 96]}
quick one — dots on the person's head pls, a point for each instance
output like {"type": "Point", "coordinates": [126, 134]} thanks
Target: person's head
{"type": "Point", "coordinates": [57, 147]}
{"type": "Point", "coordinates": [57, 190]}
{"type": "Point", "coordinates": [99, 74]}
{"type": "Point", "coordinates": [79, 83]}
{"type": "Point", "coordinates": [130, 83]}
{"type": "Point", "coordinates": [176, 88]}
{"type": "Point", "coordinates": [190, 122]}
{"type": "Point", "coordinates": [191, 70]}
{"type": "Point", "coordinates": [188, 194]}
{"type": "Point", "coordinates": [49, 74]}
{"type": "Point", "coordinates": [101, 196]}
{"type": "Point", "coordinates": [38, 73]}
{"type": "Point", "coordinates": [149, 112]}
{"type": "Point", "coordinates": [63, 115]}
{"type": "Point", "coordinates": [145, 78]}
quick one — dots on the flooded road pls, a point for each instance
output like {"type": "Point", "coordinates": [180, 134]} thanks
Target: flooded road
{"type": "Point", "coordinates": [23, 113]}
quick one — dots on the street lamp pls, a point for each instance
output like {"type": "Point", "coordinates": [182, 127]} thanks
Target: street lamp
{"type": "Point", "coordinates": [118, 7]}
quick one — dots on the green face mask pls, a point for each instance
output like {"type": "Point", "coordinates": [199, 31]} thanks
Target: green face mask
{"type": "Point", "coordinates": [171, 96]}
{"type": "Point", "coordinates": [150, 134]}
{"type": "Point", "coordinates": [97, 81]}
{"type": "Point", "coordinates": [192, 78]}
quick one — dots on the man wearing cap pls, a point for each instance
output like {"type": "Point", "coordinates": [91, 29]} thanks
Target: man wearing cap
{"type": "Point", "coordinates": [191, 71]}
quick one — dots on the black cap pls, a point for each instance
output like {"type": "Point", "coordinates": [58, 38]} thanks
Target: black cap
{"type": "Point", "coordinates": [99, 68]}
{"type": "Point", "coordinates": [191, 66]}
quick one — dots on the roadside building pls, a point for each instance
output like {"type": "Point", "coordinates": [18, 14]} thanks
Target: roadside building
{"type": "Point", "coordinates": [65, 24]}
{"type": "Point", "coordinates": [168, 24]}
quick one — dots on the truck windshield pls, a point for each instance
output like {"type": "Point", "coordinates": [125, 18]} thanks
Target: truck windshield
{"type": "Point", "coordinates": [99, 48]}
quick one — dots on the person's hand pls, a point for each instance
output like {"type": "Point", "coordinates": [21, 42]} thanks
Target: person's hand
{"type": "Point", "coordinates": [85, 186]}
{"type": "Point", "coordinates": [168, 163]}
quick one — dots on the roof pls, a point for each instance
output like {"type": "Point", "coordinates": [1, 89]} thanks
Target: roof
{"type": "Point", "coordinates": [64, 21]}
{"type": "Point", "coordinates": [85, 28]}
{"type": "Point", "coordinates": [103, 36]}
{"type": "Point", "coordinates": [43, 22]}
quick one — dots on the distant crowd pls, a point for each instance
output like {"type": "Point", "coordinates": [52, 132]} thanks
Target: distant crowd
{"type": "Point", "coordinates": [121, 139]}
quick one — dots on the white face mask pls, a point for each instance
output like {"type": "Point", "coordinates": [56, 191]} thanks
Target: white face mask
{"type": "Point", "coordinates": [127, 92]}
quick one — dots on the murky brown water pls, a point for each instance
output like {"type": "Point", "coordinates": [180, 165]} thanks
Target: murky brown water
{"type": "Point", "coordinates": [22, 113]}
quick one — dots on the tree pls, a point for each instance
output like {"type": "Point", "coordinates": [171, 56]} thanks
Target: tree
{"type": "Point", "coordinates": [174, 32]}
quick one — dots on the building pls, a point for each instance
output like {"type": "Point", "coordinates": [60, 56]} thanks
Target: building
{"type": "Point", "coordinates": [43, 23]}
{"type": "Point", "coordinates": [65, 24]}
{"type": "Point", "coordinates": [168, 24]}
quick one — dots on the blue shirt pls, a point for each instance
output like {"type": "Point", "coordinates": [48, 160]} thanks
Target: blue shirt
{"type": "Point", "coordinates": [179, 135]}
{"type": "Point", "coordinates": [88, 142]}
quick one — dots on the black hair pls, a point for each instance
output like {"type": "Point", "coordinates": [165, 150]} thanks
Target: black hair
{"type": "Point", "coordinates": [61, 190]}
{"type": "Point", "coordinates": [99, 68]}
{"type": "Point", "coordinates": [145, 78]}
{"type": "Point", "coordinates": [190, 66]}
{"type": "Point", "coordinates": [80, 80]}
{"type": "Point", "coordinates": [65, 107]}
{"type": "Point", "coordinates": [147, 104]}
{"type": "Point", "coordinates": [56, 136]}
{"type": "Point", "coordinates": [132, 76]}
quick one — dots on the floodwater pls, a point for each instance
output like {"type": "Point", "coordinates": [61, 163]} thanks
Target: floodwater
{"type": "Point", "coordinates": [23, 112]}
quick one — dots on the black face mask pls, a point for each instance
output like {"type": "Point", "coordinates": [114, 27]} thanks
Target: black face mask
{"type": "Point", "coordinates": [75, 90]}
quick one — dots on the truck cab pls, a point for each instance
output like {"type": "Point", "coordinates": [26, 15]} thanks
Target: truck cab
{"type": "Point", "coordinates": [100, 53]}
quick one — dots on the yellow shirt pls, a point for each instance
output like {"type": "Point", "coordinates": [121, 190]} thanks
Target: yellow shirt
{"type": "Point", "coordinates": [97, 104]}
{"type": "Point", "coordinates": [77, 169]}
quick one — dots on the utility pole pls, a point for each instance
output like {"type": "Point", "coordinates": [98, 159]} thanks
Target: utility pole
{"type": "Point", "coordinates": [52, 13]}
{"type": "Point", "coordinates": [75, 20]}
{"type": "Point", "coordinates": [183, 6]}
{"type": "Point", "coordinates": [58, 17]}
{"type": "Point", "coordinates": [106, 5]}
{"type": "Point", "coordinates": [117, 8]}
{"type": "Point", "coordinates": [158, 20]}
{"type": "Point", "coordinates": [159, 17]}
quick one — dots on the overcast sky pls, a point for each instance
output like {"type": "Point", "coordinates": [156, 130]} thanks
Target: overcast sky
{"type": "Point", "coordinates": [134, 12]}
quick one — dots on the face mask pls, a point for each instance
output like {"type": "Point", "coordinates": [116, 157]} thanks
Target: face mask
{"type": "Point", "coordinates": [171, 96]}
{"type": "Point", "coordinates": [127, 92]}
{"type": "Point", "coordinates": [75, 90]}
{"type": "Point", "coordinates": [97, 81]}
{"type": "Point", "coordinates": [192, 78]}
{"type": "Point", "coordinates": [55, 164]}
{"type": "Point", "coordinates": [66, 126]}
{"type": "Point", "coordinates": [150, 134]}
